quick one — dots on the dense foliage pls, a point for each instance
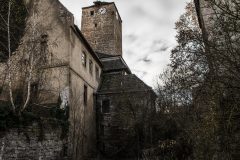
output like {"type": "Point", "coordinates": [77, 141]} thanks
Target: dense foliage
{"type": "Point", "coordinates": [199, 92]}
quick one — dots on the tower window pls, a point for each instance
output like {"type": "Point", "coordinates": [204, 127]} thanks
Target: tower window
{"type": "Point", "coordinates": [84, 59]}
{"type": "Point", "coordinates": [85, 95]}
{"type": "Point", "coordinates": [90, 67]}
{"type": "Point", "coordinates": [106, 106]}
{"type": "Point", "coordinates": [92, 13]}
{"type": "Point", "coordinates": [96, 25]}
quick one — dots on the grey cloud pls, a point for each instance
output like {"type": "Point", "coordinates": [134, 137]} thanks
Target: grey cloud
{"type": "Point", "coordinates": [139, 11]}
{"type": "Point", "coordinates": [162, 49]}
{"type": "Point", "coordinates": [145, 60]}
{"type": "Point", "coordinates": [159, 46]}
{"type": "Point", "coordinates": [131, 37]}
{"type": "Point", "coordinates": [129, 52]}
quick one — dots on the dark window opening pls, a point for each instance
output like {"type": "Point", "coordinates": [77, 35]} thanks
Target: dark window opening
{"type": "Point", "coordinates": [85, 95]}
{"type": "Point", "coordinates": [96, 25]}
{"type": "Point", "coordinates": [92, 13]}
{"type": "Point", "coordinates": [34, 92]}
{"type": "Point", "coordinates": [90, 67]}
{"type": "Point", "coordinates": [65, 151]}
{"type": "Point", "coordinates": [97, 73]}
{"type": "Point", "coordinates": [106, 106]}
{"type": "Point", "coordinates": [102, 130]}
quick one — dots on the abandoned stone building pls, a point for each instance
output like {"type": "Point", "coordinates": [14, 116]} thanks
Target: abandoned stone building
{"type": "Point", "coordinates": [85, 71]}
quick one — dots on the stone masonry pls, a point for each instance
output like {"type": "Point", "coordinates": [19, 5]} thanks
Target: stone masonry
{"type": "Point", "coordinates": [26, 144]}
{"type": "Point", "coordinates": [102, 27]}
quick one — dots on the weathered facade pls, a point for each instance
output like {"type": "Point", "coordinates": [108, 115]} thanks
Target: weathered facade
{"type": "Point", "coordinates": [81, 69]}
{"type": "Point", "coordinates": [102, 27]}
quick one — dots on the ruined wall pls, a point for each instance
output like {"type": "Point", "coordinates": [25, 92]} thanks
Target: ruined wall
{"type": "Point", "coordinates": [103, 30]}
{"type": "Point", "coordinates": [28, 143]}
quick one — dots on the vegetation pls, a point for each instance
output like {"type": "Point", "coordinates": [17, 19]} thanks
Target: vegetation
{"type": "Point", "coordinates": [55, 118]}
{"type": "Point", "coordinates": [199, 92]}
{"type": "Point", "coordinates": [17, 25]}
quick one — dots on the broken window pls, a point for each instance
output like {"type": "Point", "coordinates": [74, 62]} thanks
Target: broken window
{"type": "Point", "coordinates": [85, 95]}
{"type": "Point", "coordinates": [90, 67]}
{"type": "Point", "coordinates": [84, 59]}
{"type": "Point", "coordinates": [106, 106]}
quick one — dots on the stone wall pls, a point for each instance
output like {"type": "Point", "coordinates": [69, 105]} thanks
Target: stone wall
{"type": "Point", "coordinates": [33, 143]}
{"type": "Point", "coordinates": [116, 125]}
{"type": "Point", "coordinates": [103, 30]}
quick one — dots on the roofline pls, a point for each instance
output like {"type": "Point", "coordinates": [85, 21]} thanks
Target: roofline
{"type": "Point", "coordinates": [143, 82]}
{"type": "Point", "coordinates": [65, 8]}
{"type": "Point", "coordinates": [101, 92]}
{"type": "Point", "coordinates": [109, 56]}
{"type": "Point", "coordinates": [126, 65]}
{"type": "Point", "coordinates": [115, 57]}
{"type": "Point", "coordinates": [104, 4]}
{"type": "Point", "coordinates": [117, 70]}
{"type": "Point", "coordinates": [85, 42]}
{"type": "Point", "coordinates": [197, 7]}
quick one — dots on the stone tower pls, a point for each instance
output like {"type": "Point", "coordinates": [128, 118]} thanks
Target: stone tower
{"type": "Point", "coordinates": [102, 27]}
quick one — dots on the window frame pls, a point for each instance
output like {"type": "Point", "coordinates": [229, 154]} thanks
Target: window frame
{"type": "Point", "coordinates": [90, 67]}
{"type": "Point", "coordinates": [97, 73]}
{"type": "Point", "coordinates": [85, 94]}
{"type": "Point", "coordinates": [84, 59]}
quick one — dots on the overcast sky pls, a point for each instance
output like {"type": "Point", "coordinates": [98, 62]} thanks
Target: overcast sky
{"type": "Point", "coordinates": [148, 32]}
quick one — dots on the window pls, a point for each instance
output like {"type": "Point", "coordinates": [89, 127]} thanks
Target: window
{"type": "Point", "coordinates": [97, 73]}
{"type": "Point", "coordinates": [85, 95]}
{"type": "Point", "coordinates": [84, 59]}
{"type": "Point", "coordinates": [90, 67]}
{"type": "Point", "coordinates": [102, 130]}
{"type": "Point", "coordinates": [96, 25]}
{"type": "Point", "coordinates": [106, 106]}
{"type": "Point", "coordinates": [116, 15]}
{"type": "Point", "coordinates": [92, 13]}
